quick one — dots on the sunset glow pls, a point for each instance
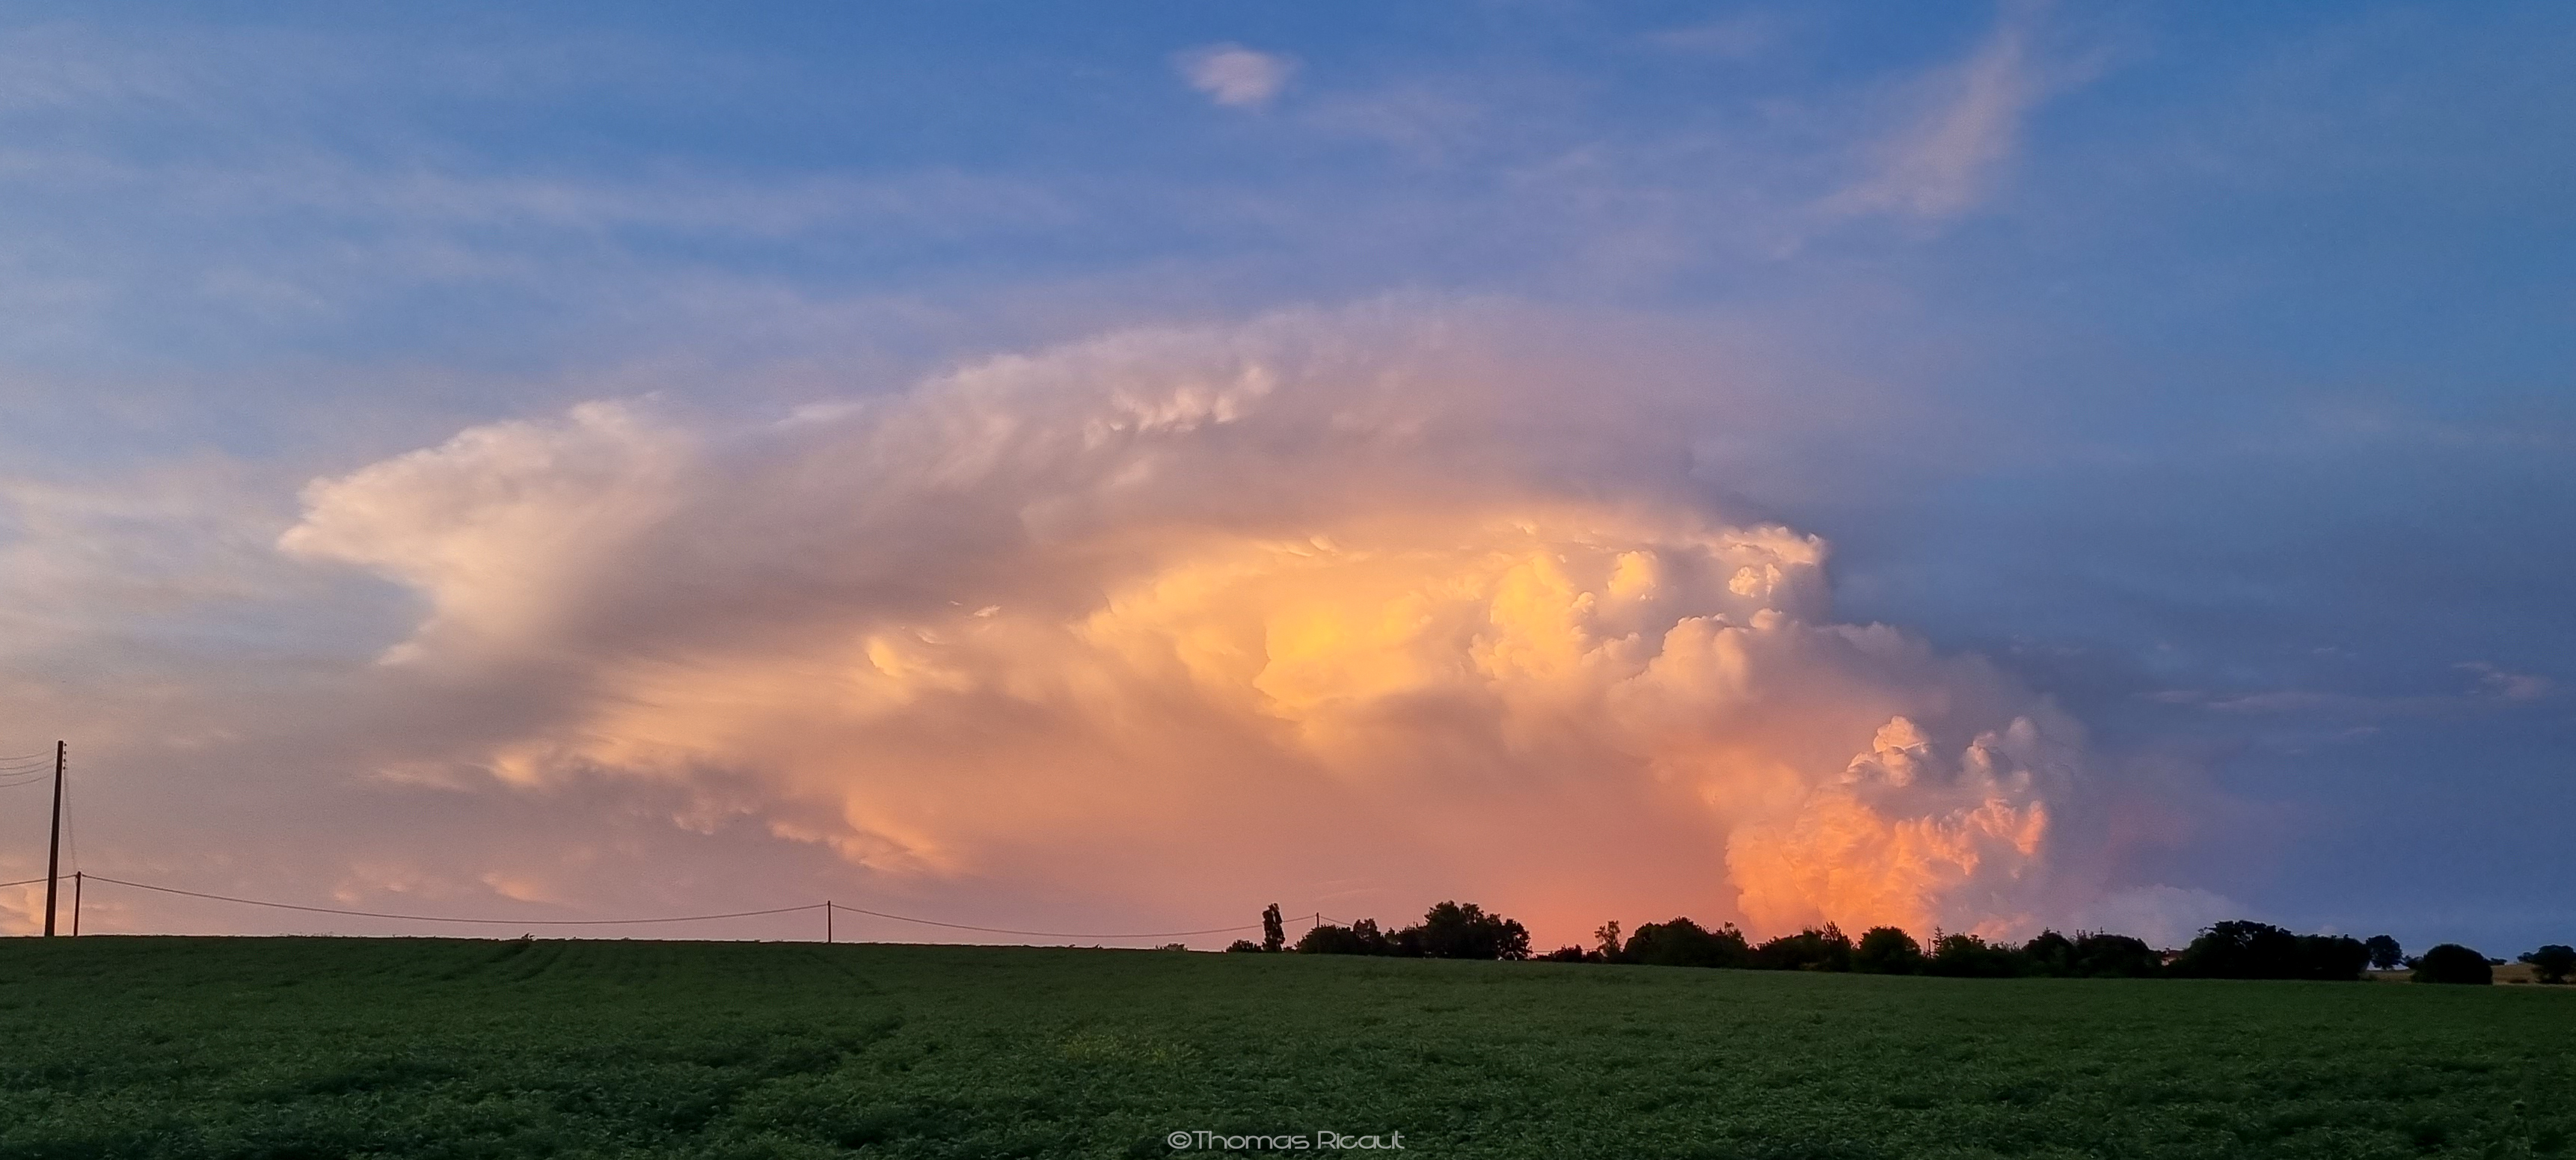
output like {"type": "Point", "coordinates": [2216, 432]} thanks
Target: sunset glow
{"type": "Point", "coordinates": [1990, 469]}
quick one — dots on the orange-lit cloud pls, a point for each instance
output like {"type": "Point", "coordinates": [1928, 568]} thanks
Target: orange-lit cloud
{"type": "Point", "coordinates": [1321, 609]}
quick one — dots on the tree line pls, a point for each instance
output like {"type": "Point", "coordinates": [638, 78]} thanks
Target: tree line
{"type": "Point", "coordinates": [2226, 950]}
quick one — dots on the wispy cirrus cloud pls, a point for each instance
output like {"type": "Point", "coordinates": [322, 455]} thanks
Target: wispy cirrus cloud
{"type": "Point", "coordinates": [1962, 128]}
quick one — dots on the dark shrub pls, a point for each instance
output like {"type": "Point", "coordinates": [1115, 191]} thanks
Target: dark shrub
{"type": "Point", "coordinates": [1967, 956]}
{"type": "Point", "coordinates": [2552, 964]}
{"type": "Point", "coordinates": [2453, 963]}
{"type": "Point", "coordinates": [1243, 946]}
{"type": "Point", "coordinates": [2049, 954]}
{"type": "Point", "coordinates": [2254, 950]}
{"type": "Point", "coordinates": [1359, 938]}
{"type": "Point", "coordinates": [2240, 950]}
{"type": "Point", "coordinates": [1565, 955]}
{"type": "Point", "coordinates": [2101, 956]}
{"type": "Point", "coordinates": [1807, 950]}
{"type": "Point", "coordinates": [2090, 955]}
{"type": "Point", "coordinates": [1328, 939]}
{"type": "Point", "coordinates": [1454, 930]}
{"type": "Point", "coordinates": [1681, 943]}
{"type": "Point", "coordinates": [2332, 957]}
{"type": "Point", "coordinates": [1887, 950]}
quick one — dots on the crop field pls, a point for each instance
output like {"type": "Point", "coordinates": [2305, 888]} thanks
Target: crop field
{"type": "Point", "coordinates": [420, 1047]}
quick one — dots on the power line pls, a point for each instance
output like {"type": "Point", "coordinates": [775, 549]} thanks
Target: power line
{"type": "Point", "coordinates": [644, 921]}
{"type": "Point", "coordinates": [1035, 933]}
{"type": "Point", "coordinates": [445, 918]}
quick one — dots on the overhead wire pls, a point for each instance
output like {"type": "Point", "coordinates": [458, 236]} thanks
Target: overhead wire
{"type": "Point", "coordinates": [647, 921]}
{"type": "Point", "coordinates": [1036, 933]}
{"type": "Point", "coordinates": [71, 844]}
{"type": "Point", "coordinates": [448, 918]}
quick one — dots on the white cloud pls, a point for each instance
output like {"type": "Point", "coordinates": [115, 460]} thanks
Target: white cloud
{"type": "Point", "coordinates": [1332, 600]}
{"type": "Point", "coordinates": [1235, 76]}
{"type": "Point", "coordinates": [2507, 684]}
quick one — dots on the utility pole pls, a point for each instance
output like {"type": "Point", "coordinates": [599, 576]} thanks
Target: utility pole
{"type": "Point", "coordinates": [54, 850]}
{"type": "Point", "coordinates": [76, 893]}
{"type": "Point", "coordinates": [827, 922]}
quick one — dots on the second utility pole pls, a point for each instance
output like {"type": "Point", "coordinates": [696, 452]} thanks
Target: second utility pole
{"type": "Point", "coordinates": [54, 850]}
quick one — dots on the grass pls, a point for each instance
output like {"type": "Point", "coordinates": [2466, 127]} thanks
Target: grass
{"type": "Point", "coordinates": [452, 1048]}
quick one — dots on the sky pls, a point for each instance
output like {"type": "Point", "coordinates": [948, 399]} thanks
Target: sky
{"type": "Point", "coordinates": [1099, 473]}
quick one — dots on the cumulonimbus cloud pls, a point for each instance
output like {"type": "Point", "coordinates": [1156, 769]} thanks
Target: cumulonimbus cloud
{"type": "Point", "coordinates": [1323, 607]}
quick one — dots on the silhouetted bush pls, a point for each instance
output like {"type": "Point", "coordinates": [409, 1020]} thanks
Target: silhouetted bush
{"type": "Point", "coordinates": [1359, 938]}
{"type": "Point", "coordinates": [1887, 950]}
{"type": "Point", "coordinates": [1682, 943]}
{"type": "Point", "coordinates": [2385, 954]}
{"type": "Point", "coordinates": [2254, 950]}
{"type": "Point", "coordinates": [2115, 956]}
{"type": "Point", "coordinates": [2332, 957]}
{"type": "Point", "coordinates": [1328, 939]}
{"type": "Point", "coordinates": [1243, 946]}
{"type": "Point", "coordinates": [1807, 950]}
{"type": "Point", "coordinates": [1454, 930]}
{"type": "Point", "coordinates": [1967, 956]}
{"type": "Point", "coordinates": [2453, 963]}
{"type": "Point", "coordinates": [1566, 955]}
{"type": "Point", "coordinates": [2552, 964]}
{"type": "Point", "coordinates": [2050, 953]}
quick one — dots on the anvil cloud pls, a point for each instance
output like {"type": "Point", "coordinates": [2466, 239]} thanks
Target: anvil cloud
{"type": "Point", "coordinates": [1324, 608]}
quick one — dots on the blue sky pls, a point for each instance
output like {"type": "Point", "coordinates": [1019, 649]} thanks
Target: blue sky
{"type": "Point", "coordinates": [2207, 369]}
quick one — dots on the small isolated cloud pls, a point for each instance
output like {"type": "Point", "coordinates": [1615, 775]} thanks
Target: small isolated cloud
{"type": "Point", "coordinates": [1235, 76]}
{"type": "Point", "coordinates": [2511, 686]}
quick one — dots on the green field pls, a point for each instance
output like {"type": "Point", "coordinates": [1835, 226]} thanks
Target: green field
{"type": "Point", "coordinates": [356, 1047]}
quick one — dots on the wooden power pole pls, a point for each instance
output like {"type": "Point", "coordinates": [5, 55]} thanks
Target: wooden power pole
{"type": "Point", "coordinates": [54, 849]}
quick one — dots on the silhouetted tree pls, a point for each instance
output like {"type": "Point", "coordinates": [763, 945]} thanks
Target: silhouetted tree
{"type": "Point", "coordinates": [2453, 963]}
{"type": "Point", "coordinates": [1359, 938]}
{"type": "Point", "coordinates": [1455, 930]}
{"type": "Point", "coordinates": [2385, 954]}
{"type": "Point", "coordinates": [1274, 933]}
{"type": "Point", "coordinates": [2552, 964]}
{"type": "Point", "coordinates": [1605, 942]}
{"type": "Point", "coordinates": [2239, 950]}
{"type": "Point", "coordinates": [1568, 955]}
{"type": "Point", "coordinates": [1807, 950]}
{"type": "Point", "coordinates": [1243, 946]}
{"type": "Point", "coordinates": [1887, 950]}
{"type": "Point", "coordinates": [1682, 943]}
{"type": "Point", "coordinates": [2050, 953]}
{"type": "Point", "coordinates": [1328, 939]}
{"type": "Point", "coordinates": [2254, 950]}
{"type": "Point", "coordinates": [2099, 955]}
{"type": "Point", "coordinates": [1967, 956]}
